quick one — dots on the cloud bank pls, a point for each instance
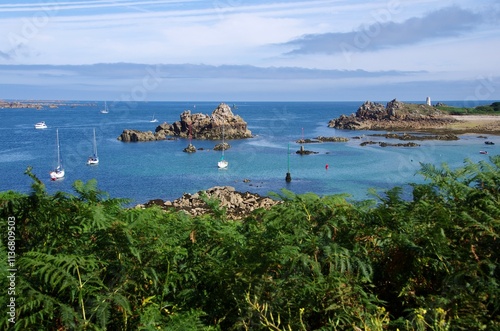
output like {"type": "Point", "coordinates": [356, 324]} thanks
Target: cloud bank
{"type": "Point", "coordinates": [446, 22]}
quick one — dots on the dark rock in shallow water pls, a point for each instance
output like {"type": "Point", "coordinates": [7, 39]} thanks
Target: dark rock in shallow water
{"type": "Point", "coordinates": [222, 146]}
{"type": "Point", "coordinates": [332, 139]}
{"type": "Point", "coordinates": [190, 149]}
{"type": "Point", "coordinates": [406, 136]}
{"type": "Point", "coordinates": [303, 151]}
{"type": "Point", "coordinates": [385, 144]}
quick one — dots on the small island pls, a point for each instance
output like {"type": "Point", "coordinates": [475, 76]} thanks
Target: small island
{"type": "Point", "coordinates": [197, 126]}
{"type": "Point", "coordinates": [399, 116]}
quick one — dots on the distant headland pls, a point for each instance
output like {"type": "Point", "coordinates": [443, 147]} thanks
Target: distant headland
{"type": "Point", "coordinates": [40, 105]}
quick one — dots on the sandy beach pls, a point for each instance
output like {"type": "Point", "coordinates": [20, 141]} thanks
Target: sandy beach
{"type": "Point", "coordinates": [476, 124]}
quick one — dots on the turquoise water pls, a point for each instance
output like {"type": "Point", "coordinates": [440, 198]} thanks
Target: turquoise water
{"type": "Point", "coordinates": [150, 170]}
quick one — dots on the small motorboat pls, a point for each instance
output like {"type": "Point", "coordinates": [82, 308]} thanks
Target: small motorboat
{"type": "Point", "coordinates": [40, 125]}
{"type": "Point", "coordinates": [483, 152]}
{"type": "Point", "coordinates": [489, 142]}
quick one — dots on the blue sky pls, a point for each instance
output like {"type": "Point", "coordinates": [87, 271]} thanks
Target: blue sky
{"type": "Point", "coordinates": [225, 50]}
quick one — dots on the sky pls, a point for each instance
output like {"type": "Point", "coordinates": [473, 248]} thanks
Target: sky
{"type": "Point", "coordinates": [250, 50]}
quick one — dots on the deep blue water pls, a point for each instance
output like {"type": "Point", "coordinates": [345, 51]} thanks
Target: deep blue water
{"type": "Point", "coordinates": [150, 170]}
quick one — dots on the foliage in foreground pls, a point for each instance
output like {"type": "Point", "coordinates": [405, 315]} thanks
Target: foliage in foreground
{"type": "Point", "coordinates": [311, 263]}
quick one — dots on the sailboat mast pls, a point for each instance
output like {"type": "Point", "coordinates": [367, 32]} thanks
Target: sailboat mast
{"type": "Point", "coordinates": [58, 149]}
{"type": "Point", "coordinates": [223, 145]}
{"type": "Point", "coordinates": [288, 177]}
{"type": "Point", "coordinates": [95, 145]}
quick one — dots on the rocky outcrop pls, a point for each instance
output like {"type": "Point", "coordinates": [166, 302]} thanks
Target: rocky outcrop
{"type": "Point", "coordinates": [189, 149]}
{"type": "Point", "coordinates": [406, 136]}
{"type": "Point", "coordinates": [322, 139]}
{"type": "Point", "coordinates": [386, 144]}
{"type": "Point", "coordinates": [303, 151]}
{"type": "Point", "coordinates": [332, 139]}
{"type": "Point", "coordinates": [202, 126]}
{"type": "Point", "coordinates": [222, 146]}
{"type": "Point", "coordinates": [238, 205]}
{"type": "Point", "coordinates": [136, 135]}
{"type": "Point", "coordinates": [198, 126]}
{"type": "Point", "coordinates": [396, 115]}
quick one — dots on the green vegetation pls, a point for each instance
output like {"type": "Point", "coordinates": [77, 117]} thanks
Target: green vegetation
{"type": "Point", "coordinates": [493, 109]}
{"type": "Point", "coordinates": [311, 263]}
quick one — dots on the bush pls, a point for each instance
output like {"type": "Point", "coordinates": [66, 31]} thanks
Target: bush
{"type": "Point", "coordinates": [311, 263]}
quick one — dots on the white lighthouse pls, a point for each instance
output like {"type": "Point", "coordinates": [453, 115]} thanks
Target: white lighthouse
{"type": "Point", "coordinates": [428, 101]}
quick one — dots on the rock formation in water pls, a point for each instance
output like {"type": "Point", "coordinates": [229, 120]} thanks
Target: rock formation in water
{"type": "Point", "coordinates": [396, 115]}
{"type": "Point", "coordinates": [198, 126]}
{"type": "Point", "coordinates": [211, 127]}
{"type": "Point", "coordinates": [136, 135]}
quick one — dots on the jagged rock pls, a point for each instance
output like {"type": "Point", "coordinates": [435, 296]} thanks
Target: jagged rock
{"type": "Point", "coordinates": [222, 146]}
{"type": "Point", "coordinates": [238, 205]}
{"type": "Point", "coordinates": [395, 116]}
{"type": "Point", "coordinates": [303, 151]}
{"type": "Point", "coordinates": [136, 135]}
{"type": "Point", "coordinates": [197, 126]}
{"type": "Point", "coordinates": [190, 149]}
{"type": "Point", "coordinates": [202, 126]}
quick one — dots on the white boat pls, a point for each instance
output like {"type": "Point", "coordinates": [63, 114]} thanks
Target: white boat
{"type": "Point", "coordinates": [222, 164]}
{"type": "Point", "coordinates": [58, 172]}
{"type": "Point", "coordinates": [105, 110]}
{"type": "Point", "coordinates": [40, 125]}
{"type": "Point", "coordinates": [153, 120]}
{"type": "Point", "coordinates": [94, 159]}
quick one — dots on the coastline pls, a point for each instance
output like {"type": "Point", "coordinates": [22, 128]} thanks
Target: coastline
{"type": "Point", "coordinates": [475, 124]}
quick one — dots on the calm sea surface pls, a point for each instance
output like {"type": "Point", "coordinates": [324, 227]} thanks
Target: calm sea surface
{"type": "Point", "coordinates": [150, 170]}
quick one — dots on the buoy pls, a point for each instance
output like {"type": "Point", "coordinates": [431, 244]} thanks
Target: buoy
{"type": "Point", "coordinates": [326, 167]}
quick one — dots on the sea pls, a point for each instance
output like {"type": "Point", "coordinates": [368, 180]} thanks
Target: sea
{"type": "Point", "coordinates": [144, 171]}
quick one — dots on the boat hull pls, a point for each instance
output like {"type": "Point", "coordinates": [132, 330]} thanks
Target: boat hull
{"type": "Point", "coordinates": [56, 175]}
{"type": "Point", "coordinates": [93, 161]}
{"type": "Point", "coordinates": [222, 164]}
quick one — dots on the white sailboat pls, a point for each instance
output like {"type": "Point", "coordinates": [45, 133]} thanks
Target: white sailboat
{"type": "Point", "coordinates": [105, 110]}
{"type": "Point", "coordinates": [94, 159]}
{"type": "Point", "coordinates": [153, 120]}
{"type": "Point", "coordinates": [222, 164]}
{"type": "Point", "coordinates": [40, 125]}
{"type": "Point", "coordinates": [58, 172]}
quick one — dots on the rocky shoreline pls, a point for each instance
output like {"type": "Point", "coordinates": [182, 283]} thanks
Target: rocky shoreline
{"type": "Point", "coordinates": [197, 126]}
{"type": "Point", "coordinates": [396, 115]}
{"type": "Point", "coordinates": [237, 205]}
